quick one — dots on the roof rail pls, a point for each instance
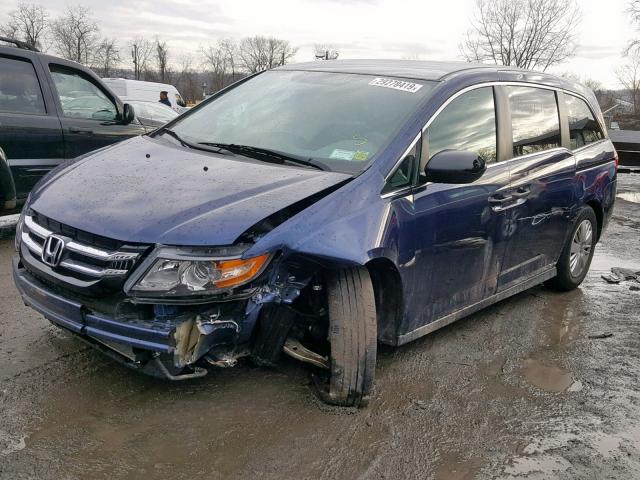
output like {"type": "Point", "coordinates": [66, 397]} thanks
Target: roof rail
{"type": "Point", "coordinates": [19, 44]}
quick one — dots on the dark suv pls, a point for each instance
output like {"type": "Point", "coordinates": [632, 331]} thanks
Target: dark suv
{"type": "Point", "coordinates": [318, 209]}
{"type": "Point", "coordinates": [51, 110]}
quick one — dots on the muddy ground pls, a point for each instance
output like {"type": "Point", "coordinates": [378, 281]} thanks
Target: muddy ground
{"type": "Point", "coordinates": [525, 389]}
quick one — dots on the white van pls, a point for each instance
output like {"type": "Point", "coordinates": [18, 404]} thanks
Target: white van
{"type": "Point", "coordinates": [146, 91]}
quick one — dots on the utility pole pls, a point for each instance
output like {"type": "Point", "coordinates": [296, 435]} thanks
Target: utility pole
{"type": "Point", "coordinates": [134, 54]}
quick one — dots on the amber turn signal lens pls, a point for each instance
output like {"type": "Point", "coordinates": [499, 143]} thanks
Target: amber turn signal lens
{"type": "Point", "coordinates": [236, 272]}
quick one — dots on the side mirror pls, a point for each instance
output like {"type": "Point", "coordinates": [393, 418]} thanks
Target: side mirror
{"type": "Point", "coordinates": [455, 166]}
{"type": "Point", "coordinates": [128, 114]}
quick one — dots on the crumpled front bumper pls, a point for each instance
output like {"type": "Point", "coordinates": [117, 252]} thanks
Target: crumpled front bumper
{"type": "Point", "coordinates": [75, 317]}
{"type": "Point", "coordinates": [179, 341]}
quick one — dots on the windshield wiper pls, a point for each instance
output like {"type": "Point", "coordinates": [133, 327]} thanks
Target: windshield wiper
{"type": "Point", "coordinates": [263, 153]}
{"type": "Point", "coordinates": [188, 144]}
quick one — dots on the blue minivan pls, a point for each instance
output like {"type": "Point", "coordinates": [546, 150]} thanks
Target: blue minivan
{"type": "Point", "coordinates": [319, 209]}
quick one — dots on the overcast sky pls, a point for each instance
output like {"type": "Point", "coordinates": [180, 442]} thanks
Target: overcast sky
{"type": "Point", "coordinates": [422, 29]}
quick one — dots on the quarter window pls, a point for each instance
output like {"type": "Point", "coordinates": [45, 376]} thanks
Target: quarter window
{"type": "Point", "coordinates": [467, 123]}
{"type": "Point", "coordinates": [19, 87]}
{"type": "Point", "coordinates": [583, 127]}
{"type": "Point", "coordinates": [534, 119]}
{"type": "Point", "coordinates": [81, 98]}
{"type": "Point", "coordinates": [404, 175]}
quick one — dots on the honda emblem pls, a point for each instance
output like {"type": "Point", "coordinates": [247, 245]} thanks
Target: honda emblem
{"type": "Point", "coordinates": [52, 250]}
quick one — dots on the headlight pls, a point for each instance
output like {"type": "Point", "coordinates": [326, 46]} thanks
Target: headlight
{"type": "Point", "coordinates": [196, 275]}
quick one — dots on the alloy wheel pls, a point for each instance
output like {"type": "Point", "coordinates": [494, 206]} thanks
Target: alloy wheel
{"type": "Point", "coordinates": [581, 248]}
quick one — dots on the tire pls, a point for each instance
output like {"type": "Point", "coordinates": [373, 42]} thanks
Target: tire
{"type": "Point", "coordinates": [572, 269]}
{"type": "Point", "coordinates": [352, 339]}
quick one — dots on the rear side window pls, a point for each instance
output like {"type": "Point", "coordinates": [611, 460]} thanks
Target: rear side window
{"type": "Point", "coordinates": [467, 123]}
{"type": "Point", "coordinates": [534, 119]}
{"type": "Point", "coordinates": [583, 127]}
{"type": "Point", "coordinates": [19, 87]}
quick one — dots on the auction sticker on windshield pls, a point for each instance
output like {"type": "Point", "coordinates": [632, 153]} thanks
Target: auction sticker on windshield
{"type": "Point", "coordinates": [396, 84]}
{"type": "Point", "coordinates": [342, 154]}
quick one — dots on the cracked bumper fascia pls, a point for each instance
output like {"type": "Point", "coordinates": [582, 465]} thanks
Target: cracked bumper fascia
{"type": "Point", "coordinates": [222, 323]}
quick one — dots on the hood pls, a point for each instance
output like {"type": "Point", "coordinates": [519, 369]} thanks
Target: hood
{"type": "Point", "coordinates": [145, 191]}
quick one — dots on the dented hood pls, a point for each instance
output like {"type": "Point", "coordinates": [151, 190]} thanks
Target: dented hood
{"type": "Point", "coordinates": [146, 191]}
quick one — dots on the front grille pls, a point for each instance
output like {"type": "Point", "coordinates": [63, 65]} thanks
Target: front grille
{"type": "Point", "coordinates": [86, 259]}
{"type": "Point", "coordinates": [79, 235]}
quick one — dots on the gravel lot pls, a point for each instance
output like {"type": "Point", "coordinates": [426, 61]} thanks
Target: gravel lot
{"type": "Point", "coordinates": [534, 387]}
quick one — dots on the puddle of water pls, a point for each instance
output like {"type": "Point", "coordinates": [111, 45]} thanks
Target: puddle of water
{"type": "Point", "coordinates": [452, 468]}
{"type": "Point", "coordinates": [562, 322]}
{"type": "Point", "coordinates": [549, 378]}
{"type": "Point", "coordinates": [606, 445]}
{"type": "Point", "coordinates": [630, 196]}
{"type": "Point", "coordinates": [545, 464]}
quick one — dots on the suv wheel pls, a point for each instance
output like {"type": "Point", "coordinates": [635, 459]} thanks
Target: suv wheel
{"type": "Point", "coordinates": [576, 256]}
{"type": "Point", "coordinates": [352, 338]}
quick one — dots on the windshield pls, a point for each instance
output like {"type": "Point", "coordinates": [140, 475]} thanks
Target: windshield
{"type": "Point", "coordinates": [339, 120]}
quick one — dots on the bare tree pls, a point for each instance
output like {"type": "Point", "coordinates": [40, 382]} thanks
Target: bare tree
{"type": "Point", "coordinates": [588, 82]}
{"type": "Point", "coordinates": [261, 53]}
{"type": "Point", "coordinates": [75, 35]}
{"type": "Point", "coordinates": [592, 84]}
{"type": "Point", "coordinates": [141, 51]}
{"type": "Point", "coordinates": [29, 23]}
{"type": "Point", "coordinates": [186, 80]}
{"type": "Point", "coordinates": [230, 49]}
{"type": "Point", "coordinates": [107, 57]}
{"type": "Point", "coordinates": [629, 76]}
{"type": "Point", "coordinates": [531, 34]}
{"type": "Point", "coordinates": [279, 52]}
{"type": "Point", "coordinates": [215, 61]}
{"type": "Point", "coordinates": [633, 10]}
{"type": "Point", "coordinates": [162, 59]}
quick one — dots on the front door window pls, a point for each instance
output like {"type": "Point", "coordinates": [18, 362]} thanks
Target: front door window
{"type": "Point", "coordinates": [80, 97]}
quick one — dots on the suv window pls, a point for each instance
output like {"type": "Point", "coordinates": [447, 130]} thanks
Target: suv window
{"type": "Point", "coordinates": [81, 98]}
{"type": "Point", "coordinates": [467, 123]}
{"type": "Point", "coordinates": [19, 87]}
{"type": "Point", "coordinates": [534, 119]}
{"type": "Point", "coordinates": [583, 127]}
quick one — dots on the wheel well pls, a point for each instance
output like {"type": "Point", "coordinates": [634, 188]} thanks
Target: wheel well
{"type": "Point", "coordinates": [387, 286]}
{"type": "Point", "coordinates": [597, 209]}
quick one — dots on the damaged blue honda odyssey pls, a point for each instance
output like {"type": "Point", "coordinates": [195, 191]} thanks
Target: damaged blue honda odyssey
{"type": "Point", "coordinates": [317, 210]}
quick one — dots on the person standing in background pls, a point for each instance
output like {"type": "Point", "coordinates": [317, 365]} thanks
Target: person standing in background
{"type": "Point", "coordinates": [164, 98]}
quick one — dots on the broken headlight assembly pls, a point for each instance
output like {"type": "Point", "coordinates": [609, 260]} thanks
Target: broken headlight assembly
{"type": "Point", "coordinates": [192, 272]}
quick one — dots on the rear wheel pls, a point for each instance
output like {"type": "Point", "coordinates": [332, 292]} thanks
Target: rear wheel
{"type": "Point", "coordinates": [576, 256]}
{"type": "Point", "coordinates": [352, 338]}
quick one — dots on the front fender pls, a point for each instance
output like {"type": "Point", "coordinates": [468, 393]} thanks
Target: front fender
{"type": "Point", "coordinates": [350, 226]}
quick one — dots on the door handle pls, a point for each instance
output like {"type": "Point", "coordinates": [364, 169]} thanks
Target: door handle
{"type": "Point", "coordinates": [521, 192]}
{"type": "Point", "coordinates": [86, 131]}
{"type": "Point", "coordinates": [500, 202]}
